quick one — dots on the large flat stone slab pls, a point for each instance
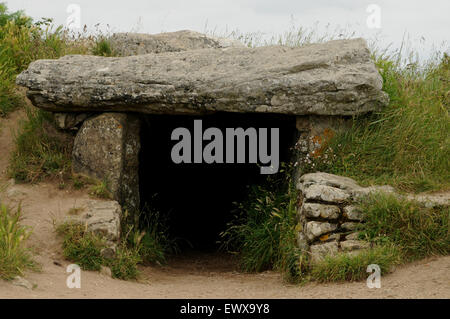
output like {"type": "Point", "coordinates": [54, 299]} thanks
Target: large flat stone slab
{"type": "Point", "coordinates": [333, 78]}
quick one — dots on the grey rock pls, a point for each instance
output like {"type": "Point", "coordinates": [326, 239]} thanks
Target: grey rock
{"type": "Point", "coordinates": [105, 271]}
{"type": "Point", "coordinates": [69, 121]}
{"type": "Point", "coordinates": [107, 148]}
{"type": "Point", "coordinates": [334, 78]}
{"type": "Point", "coordinates": [349, 225]}
{"type": "Point", "coordinates": [353, 213]}
{"type": "Point", "coordinates": [352, 236]}
{"type": "Point", "coordinates": [350, 245]}
{"type": "Point", "coordinates": [326, 194]}
{"type": "Point", "coordinates": [320, 178]}
{"type": "Point", "coordinates": [302, 242]}
{"type": "Point", "coordinates": [101, 217]}
{"type": "Point", "coordinates": [315, 229]}
{"type": "Point", "coordinates": [22, 282]}
{"type": "Point", "coordinates": [320, 210]}
{"type": "Point", "coordinates": [108, 252]}
{"type": "Point", "coordinates": [126, 44]}
{"type": "Point", "coordinates": [319, 251]}
{"type": "Point", "coordinates": [364, 191]}
{"type": "Point", "coordinates": [330, 237]}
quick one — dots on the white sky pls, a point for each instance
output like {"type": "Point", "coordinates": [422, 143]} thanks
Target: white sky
{"type": "Point", "coordinates": [426, 22]}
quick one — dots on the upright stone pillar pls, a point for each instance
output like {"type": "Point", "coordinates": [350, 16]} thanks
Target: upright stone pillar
{"type": "Point", "coordinates": [107, 148]}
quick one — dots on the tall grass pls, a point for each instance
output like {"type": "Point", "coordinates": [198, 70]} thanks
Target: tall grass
{"type": "Point", "coordinates": [15, 258]}
{"type": "Point", "coordinates": [37, 154]}
{"type": "Point", "coordinates": [407, 144]}
{"type": "Point", "coordinates": [418, 231]}
{"type": "Point", "coordinates": [262, 231]}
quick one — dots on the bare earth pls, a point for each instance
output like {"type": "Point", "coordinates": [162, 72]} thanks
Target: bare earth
{"type": "Point", "coordinates": [188, 276]}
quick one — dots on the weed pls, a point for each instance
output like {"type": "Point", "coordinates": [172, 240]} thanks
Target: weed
{"type": "Point", "coordinates": [15, 258]}
{"type": "Point", "coordinates": [37, 155]}
{"type": "Point", "coordinates": [82, 247]}
{"type": "Point", "coordinates": [348, 267]}
{"type": "Point", "coordinates": [418, 231]}
{"type": "Point", "coordinates": [101, 190]}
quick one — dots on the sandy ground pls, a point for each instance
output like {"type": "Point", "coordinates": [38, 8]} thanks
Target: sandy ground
{"type": "Point", "coordinates": [187, 276]}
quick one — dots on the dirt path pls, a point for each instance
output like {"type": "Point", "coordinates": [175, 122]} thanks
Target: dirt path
{"type": "Point", "coordinates": [189, 276]}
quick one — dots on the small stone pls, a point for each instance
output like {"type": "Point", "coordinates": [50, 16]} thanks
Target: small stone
{"type": "Point", "coordinates": [315, 229]}
{"type": "Point", "coordinates": [14, 192]}
{"type": "Point", "coordinates": [350, 245]}
{"type": "Point", "coordinates": [353, 213]}
{"type": "Point", "coordinates": [330, 237]}
{"type": "Point", "coordinates": [319, 251]}
{"type": "Point", "coordinates": [352, 236]}
{"type": "Point", "coordinates": [108, 252]}
{"type": "Point", "coordinates": [320, 210]}
{"type": "Point", "coordinates": [326, 194]}
{"type": "Point", "coordinates": [302, 242]}
{"type": "Point", "coordinates": [105, 271]}
{"type": "Point", "coordinates": [350, 225]}
{"type": "Point", "coordinates": [22, 282]}
{"type": "Point", "coordinates": [101, 217]}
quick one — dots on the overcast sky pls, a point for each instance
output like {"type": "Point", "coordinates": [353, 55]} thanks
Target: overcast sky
{"type": "Point", "coordinates": [426, 22]}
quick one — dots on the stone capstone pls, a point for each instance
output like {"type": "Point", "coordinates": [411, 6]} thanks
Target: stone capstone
{"type": "Point", "coordinates": [333, 78]}
{"type": "Point", "coordinates": [126, 44]}
{"type": "Point", "coordinates": [107, 148]}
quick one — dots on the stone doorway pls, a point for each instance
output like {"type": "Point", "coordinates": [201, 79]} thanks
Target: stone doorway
{"type": "Point", "coordinates": [196, 200]}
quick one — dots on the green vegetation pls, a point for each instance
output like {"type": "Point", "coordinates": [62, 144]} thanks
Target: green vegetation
{"type": "Point", "coordinates": [101, 190]}
{"type": "Point", "coordinates": [345, 267]}
{"type": "Point", "coordinates": [417, 231]}
{"type": "Point", "coordinates": [102, 47]}
{"type": "Point", "coordinates": [136, 247]}
{"type": "Point", "coordinates": [262, 231]}
{"type": "Point", "coordinates": [401, 230]}
{"type": "Point", "coordinates": [85, 249]}
{"type": "Point", "coordinates": [81, 246]}
{"type": "Point", "coordinates": [15, 257]}
{"type": "Point", "coordinates": [150, 237]}
{"type": "Point", "coordinates": [407, 144]}
{"type": "Point", "coordinates": [39, 154]}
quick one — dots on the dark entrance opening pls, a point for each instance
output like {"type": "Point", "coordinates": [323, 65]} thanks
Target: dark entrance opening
{"type": "Point", "coordinates": [196, 200]}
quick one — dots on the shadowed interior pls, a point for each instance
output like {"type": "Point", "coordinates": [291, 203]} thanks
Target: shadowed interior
{"type": "Point", "coordinates": [196, 200]}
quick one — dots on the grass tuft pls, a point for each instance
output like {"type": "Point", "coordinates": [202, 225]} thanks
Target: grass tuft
{"type": "Point", "coordinates": [418, 231]}
{"type": "Point", "coordinates": [346, 267]}
{"type": "Point", "coordinates": [37, 154]}
{"type": "Point", "coordinates": [15, 258]}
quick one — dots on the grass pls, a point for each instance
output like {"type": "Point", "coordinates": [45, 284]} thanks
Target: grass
{"type": "Point", "coordinates": [136, 247]}
{"type": "Point", "coordinates": [85, 249]}
{"type": "Point", "coordinates": [418, 231]}
{"type": "Point", "coordinates": [81, 246]}
{"type": "Point", "coordinates": [101, 190]}
{"type": "Point", "coordinates": [15, 257]}
{"type": "Point", "coordinates": [37, 154]}
{"type": "Point", "coordinates": [407, 144]}
{"type": "Point", "coordinates": [345, 267]}
{"type": "Point", "coordinates": [401, 230]}
{"type": "Point", "coordinates": [262, 231]}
